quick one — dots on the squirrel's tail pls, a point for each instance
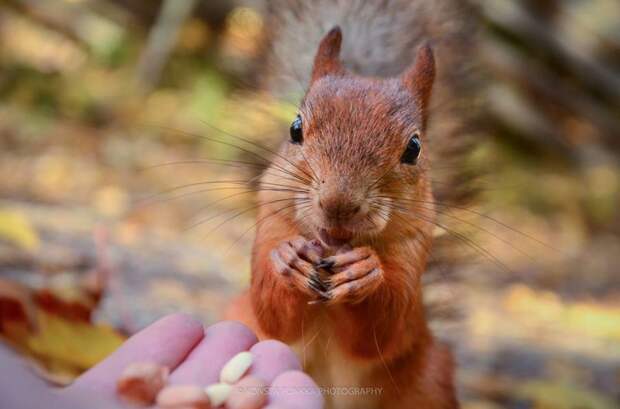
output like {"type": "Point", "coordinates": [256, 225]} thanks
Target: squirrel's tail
{"type": "Point", "coordinates": [380, 38]}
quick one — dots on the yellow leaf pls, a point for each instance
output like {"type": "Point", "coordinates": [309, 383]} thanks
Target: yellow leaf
{"type": "Point", "coordinates": [15, 228]}
{"type": "Point", "coordinates": [63, 343]}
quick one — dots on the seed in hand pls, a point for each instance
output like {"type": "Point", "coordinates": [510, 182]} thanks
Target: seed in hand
{"type": "Point", "coordinates": [140, 382]}
{"type": "Point", "coordinates": [218, 393]}
{"type": "Point", "coordinates": [236, 367]}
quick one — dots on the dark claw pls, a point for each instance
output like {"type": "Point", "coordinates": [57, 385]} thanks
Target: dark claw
{"type": "Point", "coordinates": [319, 288]}
{"type": "Point", "coordinates": [325, 264]}
{"type": "Point", "coordinates": [314, 286]}
{"type": "Point", "coordinates": [316, 281]}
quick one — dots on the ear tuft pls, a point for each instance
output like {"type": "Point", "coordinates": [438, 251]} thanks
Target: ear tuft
{"type": "Point", "coordinates": [419, 78]}
{"type": "Point", "coordinates": [327, 59]}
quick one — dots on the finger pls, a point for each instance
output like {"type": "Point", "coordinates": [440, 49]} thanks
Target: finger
{"type": "Point", "coordinates": [306, 268]}
{"type": "Point", "coordinates": [356, 290]}
{"type": "Point", "coordinates": [310, 250]}
{"type": "Point", "coordinates": [345, 248]}
{"type": "Point", "coordinates": [166, 342]}
{"type": "Point", "coordinates": [352, 272]}
{"type": "Point", "coordinates": [294, 390]}
{"type": "Point", "coordinates": [221, 342]}
{"type": "Point", "coordinates": [343, 259]}
{"type": "Point", "coordinates": [271, 358]}
{"type": "Point", "coordinates": [280, 266]}
{"type": "Point", "coordinates": [289, 255]}
{"type": "Point", "coordinates": [310, 286]}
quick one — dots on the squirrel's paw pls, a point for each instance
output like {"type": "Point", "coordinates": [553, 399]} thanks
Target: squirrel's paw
{"type": "Point", "coordinates": [294, 261]}
{"type": "Point", "coordinates": [357, 274]}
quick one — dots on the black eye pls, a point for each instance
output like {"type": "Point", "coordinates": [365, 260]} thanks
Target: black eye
{"type": "Point", "coordinates": [297, 136]}
{"type": "Point", "coordinates": [414, 146]}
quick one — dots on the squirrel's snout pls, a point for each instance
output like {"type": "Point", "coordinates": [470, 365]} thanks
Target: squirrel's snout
{"type": "Point", "coordinates": [339, 209]}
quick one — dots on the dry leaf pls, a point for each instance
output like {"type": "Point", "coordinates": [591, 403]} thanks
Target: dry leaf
{"type": "Point", "coordinates": [15, 228]}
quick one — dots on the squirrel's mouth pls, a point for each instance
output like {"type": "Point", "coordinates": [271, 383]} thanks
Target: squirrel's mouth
{"type": "Point", "coordinates": [335, 237]}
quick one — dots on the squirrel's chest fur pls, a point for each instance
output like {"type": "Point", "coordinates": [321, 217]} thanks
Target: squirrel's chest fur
{"type": "Point", "coordinates": [345, 381]}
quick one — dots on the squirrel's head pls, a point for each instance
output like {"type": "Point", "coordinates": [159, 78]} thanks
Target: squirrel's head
{"type": "Point", "coordinates": [359, 145]}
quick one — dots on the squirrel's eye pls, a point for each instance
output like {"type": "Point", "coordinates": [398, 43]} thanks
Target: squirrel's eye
{"type": "Point", "coordinates": [296, 133]}
{"type": "Point", "coordinates": [412, 151]}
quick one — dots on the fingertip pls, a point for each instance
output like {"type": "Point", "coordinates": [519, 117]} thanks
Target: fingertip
{"type": "Point", "coordinates": [295, 390]}
{"type": "Point", "coordinates": [182, 321]}
{"type": "Point", "coordinates": [271, 358]}
{"type": "Point", "coordinates": [233, 329]}
{"type": "Point", "coordinates": [295, 378]}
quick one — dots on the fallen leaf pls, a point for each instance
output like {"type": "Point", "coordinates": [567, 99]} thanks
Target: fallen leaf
{"type": "Point", "coordinates": [16, 229]}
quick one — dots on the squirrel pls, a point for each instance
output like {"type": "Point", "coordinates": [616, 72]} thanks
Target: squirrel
{"type": "Point", "coordinates": [347, 211]}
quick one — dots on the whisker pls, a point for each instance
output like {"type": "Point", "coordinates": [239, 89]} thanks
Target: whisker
{"type": "Point", "coordinates": [209, 205]}
{"type": "Point", "coordinates": [373, 184]}
{"type": "Point", "coordinates": [480, 228]}
{"type": "Point", "coordinates": [155, 198]}
{"type": "Point", "coordinates": [464, 239]}
{"type": "Point", "coordinates": [242, 149]}
{"type": "Point", "coordinates": [316, 178]}
{"type": "Point", "coordinates": [248, 209]}
{"type": "Point", "coordinates": [260, 146]}
{"type": "Point", "coordinates": [222, 162]}
{"type": "Point", "coordinates": [477, 213]}
{"type": "Point", "coordinates": [235, 183]}
{"type": "Point", "coordinates": [262, 219]}
{"type": "Point", "coordinates": [387, 368]}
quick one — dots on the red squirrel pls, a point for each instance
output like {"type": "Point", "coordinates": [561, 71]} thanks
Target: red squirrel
{"type": "Point", "coordinates": [341, 247]}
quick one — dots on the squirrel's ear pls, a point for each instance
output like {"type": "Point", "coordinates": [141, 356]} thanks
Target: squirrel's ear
{"type": "Point", "coordinates": [420, 76]}
{"type": "Point", "coordinates": [327, 59]}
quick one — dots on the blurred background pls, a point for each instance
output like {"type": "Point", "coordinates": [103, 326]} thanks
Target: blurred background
{"type": "Point", "coordinates": [108, 114]}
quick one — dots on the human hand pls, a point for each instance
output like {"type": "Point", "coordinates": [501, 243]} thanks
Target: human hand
{"type": "Point", "coordinates": [195, 356]}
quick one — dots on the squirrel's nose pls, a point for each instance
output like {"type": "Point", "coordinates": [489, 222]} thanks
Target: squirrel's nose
{"type": "Point", "coordinates": [338, 209]}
